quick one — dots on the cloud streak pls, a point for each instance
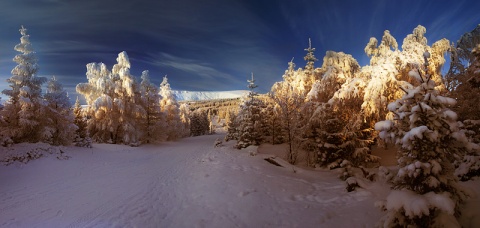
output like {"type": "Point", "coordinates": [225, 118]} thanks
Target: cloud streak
{"type": "Point", "coordinates": [204, 70]}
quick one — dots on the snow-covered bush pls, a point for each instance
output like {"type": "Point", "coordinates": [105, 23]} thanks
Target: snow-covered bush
{"type": "Point", "coordinates": [26, 152]}
{"type": "Point", "coordinates": [430, 140]}
{"type": "Point", "coordinates": [218, 143]}
{"type": "Point", "coordinates": [468, 167]}
{"type": "Point", "coordinates": [84, 142]}
{"type": "Point", "coordinates": [384, 174]}
{"type": "Point", "coordinates": [6, 141]}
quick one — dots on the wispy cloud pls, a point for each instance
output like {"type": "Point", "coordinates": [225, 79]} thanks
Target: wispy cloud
{"type": "Point", "coordinates": [204, 70]}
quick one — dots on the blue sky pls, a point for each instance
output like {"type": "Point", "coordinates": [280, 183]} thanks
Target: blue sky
{"type": "Point", "coordinates": [213, 44]}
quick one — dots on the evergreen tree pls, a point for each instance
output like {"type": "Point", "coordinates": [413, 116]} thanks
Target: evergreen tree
{"type": "Point", "coordinates": [250, 119]}
{"type": "Point", "coordinates": [232, 121]}
{"type": "Point", "coordinates": [199, 124]}
{"type": "Point", "coordinates": [463, 77]}
{"type": "Point", "coordinates": [80, 121]}
{"type": "Point", "coordinates": [272, 125]}
{"type": "Point", "coordinates": [310, 57]}
{"type": "Point", "coordinates": [170, 107]}
{"type": "Point", "coordinates": [59, 120]}
{"type": "Point", "coordinates": [211, 124]}
{"type": "Point", "coordinates": [430, 140]}
{"type": "Point", "coordinates": [185, 120]}
{"type": "Point", "coordinates": [22, 113]}
{"type": "Point", "coordinates": [153, 120]}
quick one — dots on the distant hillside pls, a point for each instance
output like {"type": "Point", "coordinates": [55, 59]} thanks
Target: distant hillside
{"type": "Point", "coordinates": [208, 95]}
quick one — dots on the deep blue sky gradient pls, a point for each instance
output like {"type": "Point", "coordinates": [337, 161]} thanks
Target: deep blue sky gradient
{"type": "Point", "coordinates": [213, 44]}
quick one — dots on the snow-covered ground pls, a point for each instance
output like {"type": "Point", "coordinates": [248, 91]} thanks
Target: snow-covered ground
{"type": "Point", "coordinates": [187, 183]}
{"type": "Point", "coordinates": [207, 95]}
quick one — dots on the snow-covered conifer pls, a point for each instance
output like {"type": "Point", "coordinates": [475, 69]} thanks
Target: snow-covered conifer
{"type": "Point", "coordinates": [59, 120]}
{"type": "Point", "coordinates": [80, 120]}
{"type": "Point", "coordinates": [430, 140]}
{"type": "Point", "coordinates": [232, 122]}
{"type": "Point", "coordinates": [302, 79]}
{"type": "Point", "coordinates": [153, 120]}
{"type": "Point", "coordinates": [22, 112]}
{"type": "Point", "coordinates": [310, 58]}
{"type": "Point", "coordinates": [250, 119]}
{"type": "Point", "coordinates": [199, 124]}
{"type": "Point", "coordinates": [171, 108]}
{"type": "Point", "coordinates": [463, 77]}
{"type": "Point", "coordinates": [185, 119]}
{"type": "Point", "coordinates": [273, 128]}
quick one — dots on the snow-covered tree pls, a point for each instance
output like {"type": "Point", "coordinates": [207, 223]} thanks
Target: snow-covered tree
{"type": "Point", "coordinates": [211, 124]}
{"type": "Point", "coordinates": [126, 102]}
{"type": "Point", "coordinates": [171, 108]}
{"type": "Point", "coordinates": [249, 130]}
{"type": "Point", "coordinates": [98, 92]}
{"type": "Point", "coordinates": [473, 70]}
{"type": "Point", "coordinates": [387, 45]}
{"type": "Point", "coordinates": [185, 119]}
{"type": "Point", "coordinates": [463, 77]}
{"type": "Point", "coordinates": [337, 69]}
{"type": "Point", "coordinates": [99, 82]}
{"type": "Point", "coordinates": [153, 120]}
{"type": "Point", "coordinates": [430, 140]}
{"type": "Point", "coordinates": [302, 79]}
{"type": "Point", "coordinates": [22, 113]}
{"type": "Point", "coordinates": [59, 119]}
{"type": "Point", "coordinates": [199, 124]}
{"type": "Point", "coordinates": [461, 57]}
{"type": "Point", "coordinates": [310, 58]}
{"type": "Point", "coordinates": [80, 120]}
{"type": "Point", "coordinates": [273, 127]}
{"type": "Point", "coordinates": [232, 124]}
{"type": "Point", "coordinates": [113, 100]}
{"type": "Point", "coordinates": [333, 125]}
{"type": "Point", "coordinates": [289, 100]}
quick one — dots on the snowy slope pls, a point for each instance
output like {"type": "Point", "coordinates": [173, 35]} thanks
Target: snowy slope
{"type": "Point", "coordinates": [188, 183]}
{"type": "Point", "coordinates": [207, 95]}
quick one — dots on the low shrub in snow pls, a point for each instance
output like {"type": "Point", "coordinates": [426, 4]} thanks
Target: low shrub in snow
{"type": "Point", "coordinates": [26, 152]}
{"type": "Point", "coordinates": [6, 141]}
{"type": "Point", "coordinates": [468, 168]}
{"type": "Point", "coordinates": [85, 142]}
{"type": "Point", "coordinates": [218, 143]}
